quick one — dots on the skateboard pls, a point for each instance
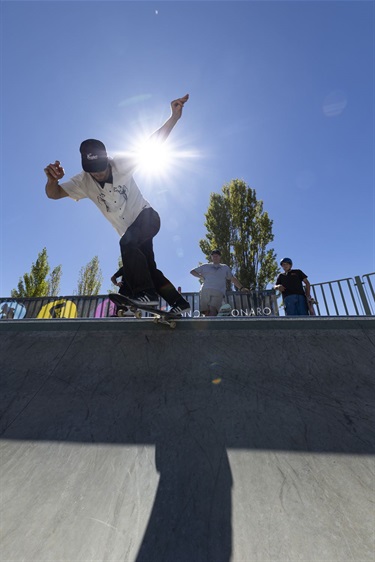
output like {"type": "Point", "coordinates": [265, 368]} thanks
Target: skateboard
{"type": "Point", "coordinates": [159, 316]}
{"type": "Point", "coordinates": [310, 306]}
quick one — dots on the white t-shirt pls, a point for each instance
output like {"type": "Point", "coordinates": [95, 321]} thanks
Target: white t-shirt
{"type": "Point", "coordinates": [215, 276]}
{"type": "Point", "coordinates": [120, 202]}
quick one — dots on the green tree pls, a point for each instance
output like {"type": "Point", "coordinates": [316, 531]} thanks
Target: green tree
{"type": "Point", "coordinates": [90, 278]}
{"type": "Point", "coordinates": [54, 281]}
{"type": "Point", "coordinates": [35, 283]}
{"type": "Point", "coordinates": [237, 224]}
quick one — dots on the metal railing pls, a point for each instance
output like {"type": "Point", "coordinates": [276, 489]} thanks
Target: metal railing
{"type": "Point", "coordinates": [369, 292]}
{"type": "Point", "coordinates": [254, 303]}
{"type": "Point", "coordinates": [345, 297]}
{"type": "Point", "coordinates": [342, 297]}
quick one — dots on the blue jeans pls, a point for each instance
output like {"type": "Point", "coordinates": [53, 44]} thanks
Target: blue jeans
{"type": "Point", "coordinates": [295, 305]}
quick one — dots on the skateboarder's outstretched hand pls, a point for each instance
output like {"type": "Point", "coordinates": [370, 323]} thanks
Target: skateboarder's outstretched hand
{"type": "Point", "coordinates": [54, 172]}
{"type": "Point", "coordinates": [177, 105]}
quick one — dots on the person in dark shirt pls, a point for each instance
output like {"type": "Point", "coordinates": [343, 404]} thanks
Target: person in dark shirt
{"type": "Point", "coordinates": [290, 286]}
{"type": "Point", "coordinates": [124, 288]}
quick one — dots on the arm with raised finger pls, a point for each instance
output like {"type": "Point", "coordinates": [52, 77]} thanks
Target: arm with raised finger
{"type": "Point", "coordinates": [54, 173]}
{"type": "Point", "coordinates": [176, 111]}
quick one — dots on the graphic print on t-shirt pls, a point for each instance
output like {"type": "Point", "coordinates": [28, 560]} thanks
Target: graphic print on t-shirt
{"type": "Point", "coordinates": [114, 201]}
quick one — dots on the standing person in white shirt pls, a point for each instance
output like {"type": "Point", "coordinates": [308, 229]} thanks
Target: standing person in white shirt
{"type": "Point", "coordinates": [109, 183]}
{"type": "Point", "coordinates": [215, 276]}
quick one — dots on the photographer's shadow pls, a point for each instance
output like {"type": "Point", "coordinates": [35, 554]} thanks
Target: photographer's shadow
{"type": "Point", "coordinates": [191, 515]}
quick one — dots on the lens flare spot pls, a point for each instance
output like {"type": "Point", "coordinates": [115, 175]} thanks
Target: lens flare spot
{"type": "Point", "coordinates": [334, 104]}
{"type": "Point", "coordinates": [215, 370]}
{"type": "Point", "coordinates": [134, 100]}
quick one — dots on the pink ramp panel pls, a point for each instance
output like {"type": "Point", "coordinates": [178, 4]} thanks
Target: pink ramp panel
{"type": "Point", "coordinates": [105, 308]}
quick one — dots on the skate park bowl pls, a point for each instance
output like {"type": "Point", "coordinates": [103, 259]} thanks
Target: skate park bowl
{"type": "Point", "coordinates": [224, 440]}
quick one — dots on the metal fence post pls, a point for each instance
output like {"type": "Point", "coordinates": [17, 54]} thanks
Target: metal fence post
{"type": "Point", "coordinates": [366, 307]}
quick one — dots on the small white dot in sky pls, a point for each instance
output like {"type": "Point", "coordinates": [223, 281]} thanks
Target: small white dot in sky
{"type": "Point", "coordinates": [156, 12]}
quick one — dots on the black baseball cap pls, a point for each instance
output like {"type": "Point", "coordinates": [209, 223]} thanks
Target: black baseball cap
{"type": "Point", "coordinates": [216, 252]}
{"type": "Point", "coordinates": [94, 156]}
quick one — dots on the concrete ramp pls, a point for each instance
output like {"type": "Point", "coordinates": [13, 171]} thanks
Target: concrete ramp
{"type": "Point", "coordinates": [239, 439]}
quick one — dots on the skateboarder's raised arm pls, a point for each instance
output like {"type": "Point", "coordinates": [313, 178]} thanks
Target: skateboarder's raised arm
{"type": "Point", "coordinates": [176, 107]}
{"type": "Point", "coordinates": [54, 173]}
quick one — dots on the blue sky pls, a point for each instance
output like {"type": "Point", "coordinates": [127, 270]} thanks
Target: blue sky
{"type": "Point", "coordinates": [281, 96]}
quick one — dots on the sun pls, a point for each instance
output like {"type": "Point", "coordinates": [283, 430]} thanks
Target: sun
{"type": "Point", "coordinates": [159, 160]}
{"type": "Point", "coordinates": [154, 157]}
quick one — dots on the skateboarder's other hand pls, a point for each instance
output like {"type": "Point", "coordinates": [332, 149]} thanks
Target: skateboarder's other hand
{"type": "Point", "coordinates": [115, 282]}
{"type": "Point", "coordinates": [54, 172]}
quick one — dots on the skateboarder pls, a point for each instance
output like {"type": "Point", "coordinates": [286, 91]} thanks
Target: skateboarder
{"type": "Point", "coordinates": [290, 285]}
{"type": "Point", "coordinates": [214, 275]}
{"type": "Point", "coordinates": [109, 183]}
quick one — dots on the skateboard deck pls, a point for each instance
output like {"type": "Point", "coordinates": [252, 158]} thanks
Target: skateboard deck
{"type": "Point", "coordinates": [159, 316]}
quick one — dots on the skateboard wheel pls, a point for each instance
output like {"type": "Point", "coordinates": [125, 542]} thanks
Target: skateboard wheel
{"type": "Point", "coordinates": [172, 324]}
{"type": "Point", "coordinates": [138, 314]}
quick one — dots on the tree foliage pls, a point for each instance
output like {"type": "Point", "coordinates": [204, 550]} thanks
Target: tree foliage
{"type": "Point", "coordinates": [237, 224]}
{"type": "Point", "coordinates": [90, 278]}
{"type": "Point", "coordinates": [35, 283]}
{"type": "Point", "coordinates": [54, 281]}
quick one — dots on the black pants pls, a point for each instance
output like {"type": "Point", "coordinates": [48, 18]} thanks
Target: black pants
{"type": "Point", "coordinates": [138, 258]}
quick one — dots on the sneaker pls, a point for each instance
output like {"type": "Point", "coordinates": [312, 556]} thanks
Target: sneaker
{"type": "Point", "coordinates": [179, 307]}
{"type": "Point", "coordinates": [225, 310]}
{"type": "Point", "coordinates": [147, 298]}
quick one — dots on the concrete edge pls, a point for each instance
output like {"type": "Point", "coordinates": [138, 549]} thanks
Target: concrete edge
{"type": "Point", "coordinates": [192, 324]}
